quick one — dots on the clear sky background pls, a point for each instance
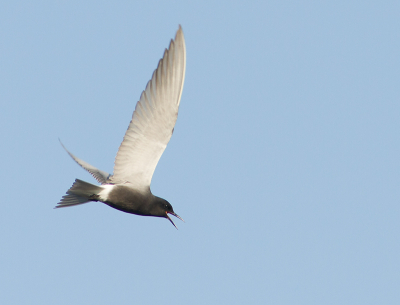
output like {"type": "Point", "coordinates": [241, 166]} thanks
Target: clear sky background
{"type": "Point", "coordinates": [284, 163]}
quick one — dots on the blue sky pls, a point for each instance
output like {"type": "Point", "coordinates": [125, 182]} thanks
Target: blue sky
{"type": "Point", "coordinates": [284, 162]}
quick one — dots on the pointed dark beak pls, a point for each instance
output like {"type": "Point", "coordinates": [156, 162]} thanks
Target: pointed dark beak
{"type": "Point", "coordinates": [176, 215]}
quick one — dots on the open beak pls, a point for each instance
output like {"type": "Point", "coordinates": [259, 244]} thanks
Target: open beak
{"type": "Point", "coordinates": [176, 215]}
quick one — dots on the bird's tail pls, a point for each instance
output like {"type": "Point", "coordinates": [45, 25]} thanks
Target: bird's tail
{"type": "Point", "coordinates": [79, 193]}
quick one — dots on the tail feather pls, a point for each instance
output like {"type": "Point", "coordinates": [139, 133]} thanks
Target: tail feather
{"type": "Point", "coordinates": [79, 193]}
{"type": "Point", "coordinates": [71, 200]}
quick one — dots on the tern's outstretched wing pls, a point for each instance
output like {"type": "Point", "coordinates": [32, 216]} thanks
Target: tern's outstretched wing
{"type": "Point", "coordinates": [153, 120]}
{"type": "Point", "coordinates": [99, 175]}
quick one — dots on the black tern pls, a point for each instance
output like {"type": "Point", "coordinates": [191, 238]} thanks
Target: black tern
{"type": "Point", "coordinates": [151, 127]}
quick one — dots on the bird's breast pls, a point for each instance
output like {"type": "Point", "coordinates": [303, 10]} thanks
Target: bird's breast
{"type": "Point", "coordinates": [126, 199]}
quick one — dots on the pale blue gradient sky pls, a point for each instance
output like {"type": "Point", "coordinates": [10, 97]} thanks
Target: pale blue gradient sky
{"type": "Point", "coordinates": [284, 161]}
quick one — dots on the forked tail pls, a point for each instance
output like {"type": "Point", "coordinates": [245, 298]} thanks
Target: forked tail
{"type": "Point", "coordinates": [79, 193]}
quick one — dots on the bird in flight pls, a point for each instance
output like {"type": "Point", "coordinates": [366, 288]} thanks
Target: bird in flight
{"type": "Point", "coordinates": [151, 127]}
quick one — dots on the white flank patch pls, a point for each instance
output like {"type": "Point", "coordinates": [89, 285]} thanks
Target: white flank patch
{"type": "Point", "coordinates": [106, 191]}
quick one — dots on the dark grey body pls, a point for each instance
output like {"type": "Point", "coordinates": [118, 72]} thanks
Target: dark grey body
{"type": "Point", "coordinates": [128, 200]}
{"type": "Point", "coordinates": [120, 197]}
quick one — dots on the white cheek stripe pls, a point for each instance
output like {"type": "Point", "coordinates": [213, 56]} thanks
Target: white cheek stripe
{"type": "Point", "coordinates": [105, 192]}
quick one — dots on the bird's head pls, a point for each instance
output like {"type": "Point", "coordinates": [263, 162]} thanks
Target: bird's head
{"type": "Point", "coordinates": [164, 208]}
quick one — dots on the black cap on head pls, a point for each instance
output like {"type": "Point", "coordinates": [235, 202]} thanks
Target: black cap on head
{"type": "Point", "coordinates": [163, 208]}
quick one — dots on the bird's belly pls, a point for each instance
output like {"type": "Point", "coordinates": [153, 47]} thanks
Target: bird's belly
{"type": "Point", "coordinates": [126, 199]}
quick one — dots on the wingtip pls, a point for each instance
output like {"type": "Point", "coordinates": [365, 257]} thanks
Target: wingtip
{"type": "Point", "coordinates": [63, 145]}
{"type": "Point", "coordinates": [179, 32]}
